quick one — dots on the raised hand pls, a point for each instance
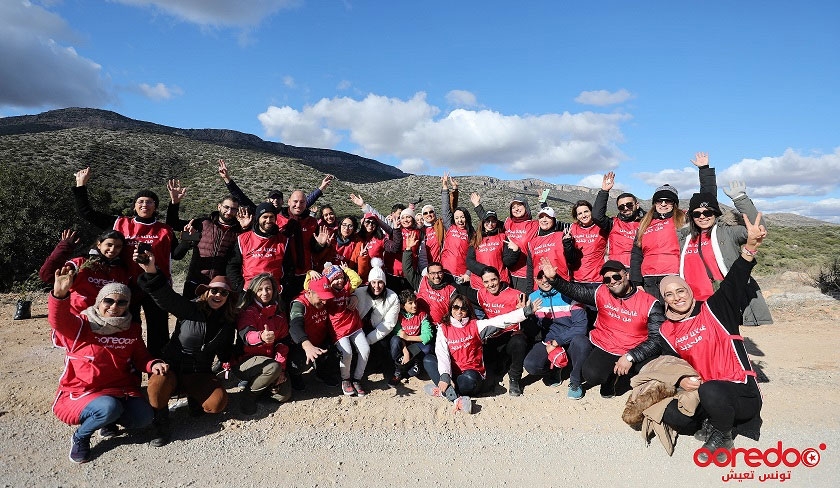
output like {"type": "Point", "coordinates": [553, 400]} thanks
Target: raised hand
{"type": "Point", "coordinates": [82, 176]}
{"type": "Point", "coordinates": [608, 182]}
{"type": "Point", "coordinates": [735, 189]}
{"type": "Point", "coordinates": [69, 235]}
{"type": "Point", "coordinates": [567, 231]}
{"type": "Point", "coordinates": [453, 183]}
{"type": "Point", "coordinates": [326, 182]}
{"type": "Point", "coordinates": [176, 191]}
{"type": "Point", "coordinates": [475, 198]}
{"type": "Point", "coordinates": [444, 180]}
{"type": "Point", "coordinates": [548, 268]}
{"type": "Point", "coordinates": [223, 171]}
{"type": "Point", "coordinates": [267, 335]}
{"type": "Point", "coordinates": [755, 232]}
{"type": "Point", "coordinates": [700, 159]}
{"type": "Point", "coordinates": [511, 245]}
{"type": "Point", "coordinates": [411, 240]}
{"type": "Point", "coordinates": [357, 200]}
{"type": "Point", "coordinates": [323, 236]}
{"type": "Point", "coordinates": [244, 216]}
{"type": "Point", "coordinates": [190, 227]}
{"type": "Point", "coordinates": [63, 281]}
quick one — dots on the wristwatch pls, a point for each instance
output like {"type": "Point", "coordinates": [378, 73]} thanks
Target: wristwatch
{"type": "Point", "coordinates": [628, 357]}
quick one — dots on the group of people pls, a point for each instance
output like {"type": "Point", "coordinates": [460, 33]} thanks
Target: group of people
{"type": "Point", "coordinates": [276, 289]}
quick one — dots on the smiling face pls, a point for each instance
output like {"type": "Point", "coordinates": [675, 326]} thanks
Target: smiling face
{"type": "Point", "coordinates": [297, 203]}
{"type": "Point", "coordinates": [429, 216]}
{"type": "Point", "coordinates": [347, 228]}
{"type": "Point", "coordinates": [328, 215]}
{"type": "Point", "coordinates": [626, 206]}
{"type": "Point", "coordinates": [110, 248]}
{"type": "Point", "coordinates": [267, 222]}
{"type": "Point", "coordinates": [216, 297]}
{"type": "Point", "coordinates": [543, 283]}
{"type": "Point", "coordinates": [264, 292]}
{"type": "Point", "coordinates": [704, 218]}
{"type": "Point", "coordinates": [517, 210]}
{"type": "Point", "coordinates": [677, 297]}
{"type": "Point", "coordinates": [378, 287]}
{"type": "Point", "coordinates": [491, 224]}
{"type": "Point", "coordinates": [113, 305]}
{"type": "Point", "coordinates": [227, 211]}
{"type": "Point", "coordinates": [664, 206]}
{"type": "Point", "coordinates": [407, 221]}
{"type": "Point", "coordinates": [337, 283]}
{"type": "Point", "coordinates": [410, 306]}
{"type": "Point", "coordinates": [491, 282]}
{"type": "Point", "coordinates": [145, 207]}
{"type": "Point", "coordinates": [458, 310]}
{"type": "Point", "coordinates": [369, 225]}
{"type": "Point", "coordinates": [618, 281]}
{"type": "Point", "coordinates": [460, 219]}
{"type": "Point", "coordinates": [435, 274]}
{"type": "Point", "coordinates": [546, 222]}
{"type": "Point", "coordinates": [583, 215]}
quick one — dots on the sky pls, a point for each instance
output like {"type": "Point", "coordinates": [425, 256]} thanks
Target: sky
{"type": "Point", "coordinates": [563, 91]}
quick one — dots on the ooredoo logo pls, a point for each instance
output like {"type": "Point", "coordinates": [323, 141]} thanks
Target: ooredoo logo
{"type": "Point", "coordinates": [753, 457]}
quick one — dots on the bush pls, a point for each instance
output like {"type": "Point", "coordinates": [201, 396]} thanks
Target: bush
{"type": "Point", "coordinates": [828, 280]}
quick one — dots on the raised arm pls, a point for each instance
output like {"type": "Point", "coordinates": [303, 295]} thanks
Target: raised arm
{"type": "Point", "coordinates": [232, 187]}
{"type": "Point", "coordinates": [80, 196]}
{"type": "Point", "coordinates": [575, 291]}
{"type": "Point", "coordinates": [599, 208]}
{"type": "Point", "coordinates": [708, 180]}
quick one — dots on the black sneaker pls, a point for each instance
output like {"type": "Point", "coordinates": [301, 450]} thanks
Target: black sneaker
{"type": "Point", "coordinates": [79, 450]}
{"type": "Point", "coordinates": [395, 380]}
{"type": "Point", "coordinates": [514, 389]}
{"type": "Point", "coordinates": [109, 431]}
{"type": "Point", "coordinates": [607, 389]}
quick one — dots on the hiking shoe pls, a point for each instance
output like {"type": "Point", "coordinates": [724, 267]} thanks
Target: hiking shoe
{"type": "Point", "coordinates": [161, 428]}
{"type": "Point", "coordinates": [79, 450]}
{"type": "Point", "coordinates": [109, 431]}
{"type": "Point", "coordinates": [432, 390]}
{"type": "Point", "coordinates": [395, 380]}
{"type": "Point", "coordinates": [575, 392]}
{"type": "Point", "coordinates": [347, 388]}
{"type": "Point", "coordinates": [514, 389]}
{"type": "Point", "coordinates": [463, 404]}
{"type": "Point", "coordinates": [702, 435]}
{"type": "Point", "coordinates": [607, 389]}
{"type": "Point", "coordinates": [716, 445]}
{"type": "Point", "coordinates": [360, 391]}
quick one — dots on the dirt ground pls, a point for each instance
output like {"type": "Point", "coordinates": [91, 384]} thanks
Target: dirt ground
{"type": "Point", "coordinates": [404, 438]}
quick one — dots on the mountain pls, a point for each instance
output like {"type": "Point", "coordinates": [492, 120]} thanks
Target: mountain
{"type": "Point", "coordinates": [344, 165]}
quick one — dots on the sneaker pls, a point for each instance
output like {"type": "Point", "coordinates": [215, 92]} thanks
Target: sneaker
{"type": "Point", "coordinates": [395, 380]}
{"type": "Point", "coordinates": [360, 391]}
{"type": "Point", "coordinates": [79, 450]}
{"type": "Point", "coordinates": [283, 391]}
{"type": "Point", "coordinates": [347, 388]}
{"type": "Point", "coordinates": [607, 390]}
{"type": "Point", "coordinates": [575, 392]}
{"type": "Point", "coordinates": [514, 389]}
{"type": "Point", "coordinates": [109, 431]}
{"type": "Point", "coordinates": [432, 390]}
{"type": "Point", "coordinates": [414, 370]}
{"type": "Point", "coordinates": [463, 404]}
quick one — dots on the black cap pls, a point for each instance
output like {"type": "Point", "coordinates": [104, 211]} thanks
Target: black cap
{"type": "Point", "coordinates": [614, 265]}
{"type": "Point", "coordinates": [704, 200]}
{"type": "Point", "coordinates": [490, 213]}
{"type": "Point", "coordinates": [275, 194]}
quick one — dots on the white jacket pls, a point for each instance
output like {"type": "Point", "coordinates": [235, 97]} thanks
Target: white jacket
{"type": "Point", "coordinates": [385, 312]}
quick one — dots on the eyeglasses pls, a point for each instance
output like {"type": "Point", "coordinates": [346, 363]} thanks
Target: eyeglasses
{"type": "Point", "coordinates": [228, 207]}
{"type": "Point", "coordinates": [703, 213]}
{"type": "Point", "coordinates": [664, 201]}
{"type": "Point", "coordinates": [610, 278]}
{"type": "Point", "coordinates": [429, 212]}
{"type": "Point", "coordinates": [110, 301]}
{"type": "Point", "coordinates": [347, 225]}
{"type": "Point", "coordinates": [146, 202]}
{"type": "Point", "coordinates": [455, 306]}
{"type": "Point", "coordinates": [218, 291]}
{"type": "Point", "coordinates": [627, 206]}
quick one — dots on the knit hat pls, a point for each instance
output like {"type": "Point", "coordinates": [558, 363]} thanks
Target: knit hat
{"type": "Point", "coordinates": [408, 212]}
{"type": "Point", "coordinates": [489, 214]}
{"type": "Point", "coordinates": [704, 200]}
{"type": "Point", "coordinates": [331, 271]}
{"type": "Point", "coordinates": [426, 208]}
{"type": "Point", "coordinates": [546, 210]}
{"type": "Point", "coordinates": [147, 194]}
{"type": "Point", "coordinates": [113, 288]}
{"type": "Point", "coordinates": [376, 273]}
{"type": "Point", "coordinates": [275, 194]}
{"type": "Point", "coordinates": [263, 208]}
{"type": "Point", "coordinates": [666, 192]}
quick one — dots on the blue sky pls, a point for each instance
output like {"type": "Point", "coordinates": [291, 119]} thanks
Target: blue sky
{"type": "Point", "coordinates": [563, 91]}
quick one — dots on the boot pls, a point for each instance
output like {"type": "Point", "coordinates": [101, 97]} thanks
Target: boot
{"type": "Point", "coordinates": [283, 391]}
{"type": "Point", "coordinates": [514, 388]}
{"type": "Point", "coordinates": [161, 427]}
{"type": "Point", "coordinates": [702, 435]}
{"type": "Point", "coordinates": [717, 440]}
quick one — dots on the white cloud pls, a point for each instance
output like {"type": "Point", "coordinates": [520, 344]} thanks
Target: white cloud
{"type": "Point", "coordinates": [242, 13]}
{"type": "Point", "coordinates": [461, 140]}
{"type": "Point", "coordinates": [37, 68]}
{"type": "Point", "coordinates": [827, 209]}
{"type": "Point", "coordinates": [289, 81]}
{"type": "Point", "coordinates": [685, 180]}
{"type": "Point", "coordinates": [343, 85]}
{"type": "Point", "coordinates": [461, 98]}
{"type": "Point", "coordinates": [791, 173]}
{"type": "Point", "coordinates": [160, 91]}
{"type": "Point", "coordinates": [602, 98]}
{"type": "Point", "coordinates": [413, 165]}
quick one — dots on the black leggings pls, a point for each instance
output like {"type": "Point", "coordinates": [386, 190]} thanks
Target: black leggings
{"type": "Point", "coordinates": [598, 369]}
{"type": "Point", "coordinates": [724, 403]}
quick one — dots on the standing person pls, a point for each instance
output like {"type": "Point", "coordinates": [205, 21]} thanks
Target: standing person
{"type": "Point", "coordinates": [457, 367]}
{"type": "Point", "coordinates": [623, 227]}
{"type": "Point", "coordinates": [260, 250]}
{"type": "Point", "coordinates": [590, 241]}
{"type": "Point", "coordinates": [204, 329]}
{"type": "Point", "coordinates": [103, 265]}
{"type": "Point", "coordinates": [626, 330]}
{"type": "Point", "coordinates": [520, 228]}
{"type": "Point", "coordinates": [342, 248]}
{"type": "Point", "coordinates": [562, 324]}
{"type": "Point", "coordinates": [490, 247]}
{"type": "Point", "coordinates": [656, 250]}
{"type": "Point", "coordinates": [709, 249]}
{"type": "Point", "coordinates": [263, 330]}
{"type": "Point", "coordinates": [412, 338]}
{"type": "Point", "coordinates": [434, 290]}
{"type": "Point", "coordinates": [275, 197]}
{"type": "Point", "coordinates": [459, 231]}
{"type": "Point", "coordinates": [707, 335]}
{"type": "Point", "coordinates": [509, 345]}
{"type": "Point", "coordinates": [99, 387]}
{"type": "Point", "coordinates": [371, 244]}
{"type": "Point", "coordinates": [306, 240]}
{"type": "Point", "coordinates": [141, 229]}
{"type": "Point", "coordinates": [551, 243]}
{"type": "Point", "coordinates": [210, 238]}
{"type": "Point", "coordinates": [328, 219]}
{"type": "Point", "coordinates": [393, 260]}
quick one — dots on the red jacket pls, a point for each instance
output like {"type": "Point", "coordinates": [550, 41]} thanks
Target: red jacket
{"type": "Point", "coordinates": [252, 321]}
{"type": "Point", "coordinates": [94, 365]}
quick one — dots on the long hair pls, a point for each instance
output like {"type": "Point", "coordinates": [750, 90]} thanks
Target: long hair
{"type": "Point", "coordinates": [229, 310]}
{"type": "Point", "coordinates": [377, 231]}
{"type": "Point", "coordinates": [97, 261]}
{"type": "Point", "coordinates": [250, 294]}
{"type": "Point", "coordinates": [467, 218]}
{"type": "Point", "coordinates": [465, 302]}
{"type": "Point", "coordinates": [679, 218]}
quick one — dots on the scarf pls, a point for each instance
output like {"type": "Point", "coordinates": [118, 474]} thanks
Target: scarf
{"type": "Point", "coordinates": [106, 325]}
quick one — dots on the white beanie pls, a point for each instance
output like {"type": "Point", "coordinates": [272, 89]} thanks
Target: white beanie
{"type": "Point", "coordinates": [406, 212]}
{"type": "Point", "coordinates": [376, 273]}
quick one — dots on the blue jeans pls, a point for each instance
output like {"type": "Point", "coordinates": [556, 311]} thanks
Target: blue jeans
{"type": "Point", "coordinates": [130, 412]}
{"type": "Point", "coordinates": [467, 383]}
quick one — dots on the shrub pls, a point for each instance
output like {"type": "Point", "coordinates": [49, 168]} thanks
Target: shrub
{"type": "Point", "coordinates": [828, 279]}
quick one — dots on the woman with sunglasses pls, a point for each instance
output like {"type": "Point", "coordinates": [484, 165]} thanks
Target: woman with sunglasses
{"type": "Point", "coordinates": [204, 329]}
{"type": "Point", "coordinates": [371, 243]}
{"type": "Point", "coordinates": [459, 232]}
{"type": "Point", "coordinates": [623, 227]}
{"type": "Point", "coordinates": [457, 367]}
{"type": "Point", "coordinates": [100, 386]}
{"type": "Point", "coordinates": [656, 250]}
{"type": "Point", "coordinates": [709, 249]}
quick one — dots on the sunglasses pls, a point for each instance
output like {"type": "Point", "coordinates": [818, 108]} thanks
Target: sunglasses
{"type": "Point", "coordinates": [664, 201]}
{"type": "Point", "coordinates": [703, 213]}
{"type": "Point", "coordinates": [218, 291]}
{"type": "Point", "coordinates": [610, 278]}
{"type": "Point", "coordinates": [110, 301]}
{"type": "Point", "coordinates": [430, 212]}
{"type": "Point", "coordinates": [455, 306]}
{"type": "Point", "coordinates": [626, 206]}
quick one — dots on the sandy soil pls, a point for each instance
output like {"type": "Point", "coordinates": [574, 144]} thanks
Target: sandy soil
{"type": "Point", "coordinates": [401, 437]}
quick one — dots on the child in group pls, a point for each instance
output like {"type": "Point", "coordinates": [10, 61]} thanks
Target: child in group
{"type": "Point", "coordinates": [412, 338]}
{"type": "Point", "coordinates": [347, 325]}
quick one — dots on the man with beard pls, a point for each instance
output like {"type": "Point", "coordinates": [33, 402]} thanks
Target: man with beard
{"type": "Point", "coordinates": [260, 250]}
{"type": "Point", "coordinates": [210, 238]}
{"type": "Point", "coordinates": [622, 228]}
{"type": "Point", "coordinates": [434, 290]}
